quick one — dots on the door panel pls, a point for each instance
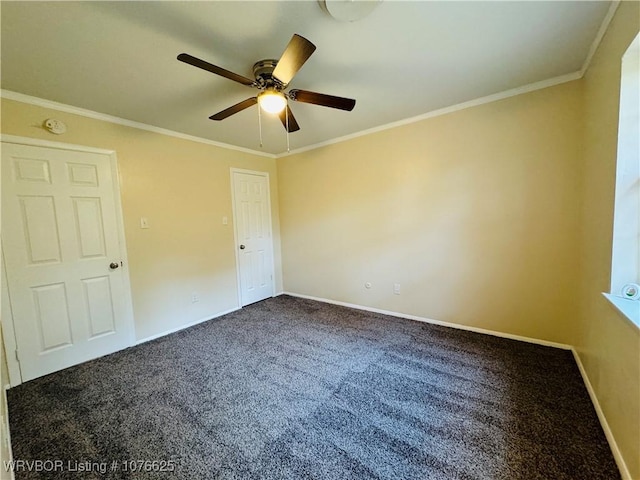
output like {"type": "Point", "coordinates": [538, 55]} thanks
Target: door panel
{"type": "Point", "coordinates": [60, 233]}
{"type": "Point", "coordinates": [31, 170]}
{"type": "Point", "coordinates": [97, 298]}
{"type": "Point", "coordinates": [89, 226]}
{"type": "Point", "coordinates": [52, 316]}
{"type": "Point", "coordinates": [253, 233]}
{"type": "Point", "coordinates": [40, 229]}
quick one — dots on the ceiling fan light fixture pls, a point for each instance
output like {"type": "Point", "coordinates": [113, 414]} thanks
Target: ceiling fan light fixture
{"type": "Point", "coordinates": [349, 10]}
{"type": "Point", "coordinates": [271, 101]}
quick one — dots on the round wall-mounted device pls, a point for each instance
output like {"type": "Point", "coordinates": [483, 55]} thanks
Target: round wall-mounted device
{"type": "Point", "coordinates": [631, 291]}
{"type": "Point", "coordinates": [55, 126]}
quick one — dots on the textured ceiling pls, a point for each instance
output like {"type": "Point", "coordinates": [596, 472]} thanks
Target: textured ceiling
{"type": "Point", "coordinates": [403, 60]}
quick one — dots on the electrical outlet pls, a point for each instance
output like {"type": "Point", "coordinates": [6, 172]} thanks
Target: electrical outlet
{"type": "Point", "coordinates": [396, 289]}
{"type": "Point", "coordinates": [194, 298]}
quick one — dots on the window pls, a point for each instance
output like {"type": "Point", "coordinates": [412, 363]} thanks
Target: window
{"type": "Point", "coordinates": [625, 264]}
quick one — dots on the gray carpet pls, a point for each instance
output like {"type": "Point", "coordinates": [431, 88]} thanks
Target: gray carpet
{"type": "Point", "coordinates": [296, 389]}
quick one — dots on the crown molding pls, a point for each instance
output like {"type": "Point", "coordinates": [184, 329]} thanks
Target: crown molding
{"type": "Point", "coordinates": [41, 102]}
{"type": "Point", "coordinates": [444, 111]}
{"type": "Point", "coordinates": [20, 97]}
{"type": "Point", "coordinates": [600, 35]}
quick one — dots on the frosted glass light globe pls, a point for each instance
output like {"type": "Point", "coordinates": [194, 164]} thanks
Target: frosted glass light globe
{"type": "Point", "coordinates": [271, 101]}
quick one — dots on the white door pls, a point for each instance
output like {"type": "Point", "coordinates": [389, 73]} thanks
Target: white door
{"type": "Point", "coordinates": [61, 242]}
{"type": "Point", "coordinates": [252, 219]}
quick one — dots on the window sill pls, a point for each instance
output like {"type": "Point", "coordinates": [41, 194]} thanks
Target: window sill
{"type": "Point", "coordinates": [629, 308]}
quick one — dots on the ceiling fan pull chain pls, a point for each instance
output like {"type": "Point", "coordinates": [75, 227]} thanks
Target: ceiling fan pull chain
{"type": "Point", "coordinates": [260, 125]}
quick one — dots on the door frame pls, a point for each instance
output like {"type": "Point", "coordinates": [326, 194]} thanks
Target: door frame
{"type": "Point", "coordinates": [8, 329]}
{"type": "Point", "coordinates": [232, 172]}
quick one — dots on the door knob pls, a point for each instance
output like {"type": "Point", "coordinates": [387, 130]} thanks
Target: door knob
{"type": "Point", "coordinates": [113, 265]}
{"type": "Point", "coordinates": [242, 247]}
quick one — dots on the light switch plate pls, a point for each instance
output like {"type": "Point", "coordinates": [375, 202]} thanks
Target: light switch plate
{"type": "Point", "coordinates": [144, 222]}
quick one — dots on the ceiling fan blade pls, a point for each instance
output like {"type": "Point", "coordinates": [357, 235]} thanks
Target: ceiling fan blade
{"type": "Point", "coordinates": [238, 107]}
{"type": "Point", "coordinates": [293, 125]}
{"type": "Point", "coordinates": [196, 62]}
{"type": "Point", "coordinates": [294, 56]}
{"type": "Point", "coordinates": [306, 96]}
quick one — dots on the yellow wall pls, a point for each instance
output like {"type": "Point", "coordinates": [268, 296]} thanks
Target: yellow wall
{"type": "Point", "coordinates": [497, 217]}
{"type": "Point", "coordinates": [474, 213]}
{"type": "Point", "coordinates": [184, 189]}
{"type": "Point", "coordinates": [608, 344]}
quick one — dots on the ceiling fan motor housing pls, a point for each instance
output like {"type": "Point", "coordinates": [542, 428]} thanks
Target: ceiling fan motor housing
{"type": "Point", "coordinates": [263, 72]}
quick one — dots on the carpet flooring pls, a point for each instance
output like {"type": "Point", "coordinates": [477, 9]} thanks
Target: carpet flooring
{"type": "Point", "coordinates": [295, 389]}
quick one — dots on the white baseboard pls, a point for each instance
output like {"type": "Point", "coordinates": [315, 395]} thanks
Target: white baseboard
{"type": "Point", "coordinates": [437, 322]}
{"type": "Point", "coordinates": [182, 327]}
{"type": "Point", "coordinates": [622, 466]}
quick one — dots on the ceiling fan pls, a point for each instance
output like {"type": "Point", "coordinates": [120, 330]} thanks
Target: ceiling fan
{"type": "Point", "coordinates": [272, 77]}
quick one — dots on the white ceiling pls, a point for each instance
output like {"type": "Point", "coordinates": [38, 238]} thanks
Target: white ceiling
{"type": "Point", "coordinates": [404, 59]}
